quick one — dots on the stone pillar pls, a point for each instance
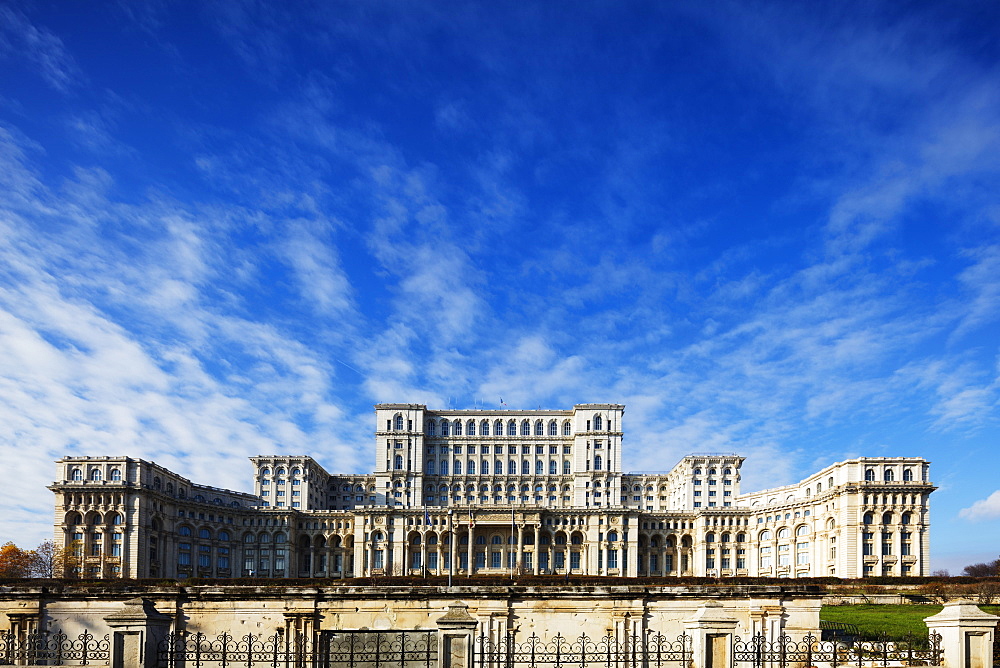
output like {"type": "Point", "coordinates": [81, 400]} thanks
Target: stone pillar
{"type": "Point", "coordinates": [136, 633]}
{"type": "Point", "coordinates": [711, 630]}
{"type": "Point", "coordinates": [472, 546]}
{"type": "Point", "coordinates": [536, 549]}
{"type": "Point", "coordinates": [456, 642]}
{"type": "Point", "coordinates": [966, 634]}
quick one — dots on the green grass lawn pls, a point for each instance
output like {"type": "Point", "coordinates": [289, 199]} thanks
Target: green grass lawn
{"type": "Point", "coordinates": [893, 620]}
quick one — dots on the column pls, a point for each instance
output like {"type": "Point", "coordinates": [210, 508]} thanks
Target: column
{"type": "Point", "coordinates": [137, 631]}
{"type": "Point", "coordinates": [536, 550]}
{"type": "Point", "coordinates": [517, 547]}
{"type": "Point", "coordinates": [711, 630]}
{"type": "Point", "coordinates": [967, 634]}
{"type": "Point", "coordinates": [472, 545]}
{"type": "Point", "coordinates": [456, 637]}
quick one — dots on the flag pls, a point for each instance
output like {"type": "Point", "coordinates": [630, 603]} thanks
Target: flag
{"type": "Point", "coordinates": [501, 402]}
{"type": "Point", "coordinates": [427, 517]}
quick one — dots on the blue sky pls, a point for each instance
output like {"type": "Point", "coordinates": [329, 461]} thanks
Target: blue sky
{"type": "Point", "coordinates": [767, 228]}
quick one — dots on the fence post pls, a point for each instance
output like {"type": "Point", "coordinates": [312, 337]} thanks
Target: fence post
{"type": "Point", "coordinates": [966, 634]}
{"type": "Point", "coordinates": [711, 629]}
{"type": "Point", "coordinates": [136, 632]}
{"type": "Point", "coordinates": [456, 643]}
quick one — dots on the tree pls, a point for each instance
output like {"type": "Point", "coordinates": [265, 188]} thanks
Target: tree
{"type": "Point", "coordinates": [14, 562]}
{"type": "Point", "coordinates": [46, 560]}
{"type": "Point", "coordinates": [985, 570]}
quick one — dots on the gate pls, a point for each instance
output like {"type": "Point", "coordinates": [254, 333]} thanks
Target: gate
{"type": "Point", "coordinates": [635, 651]}
{"type": "Point", "coordinates": [810, 651]}
{"type": "Point", "coordinates": [331, 649]}
{"type": "Point", "coordinates": [40, 648]}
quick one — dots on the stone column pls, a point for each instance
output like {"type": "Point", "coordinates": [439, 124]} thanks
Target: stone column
{"type": "Point", "coordinates": [711, 630]}
{"type": "Point", "coordinates": [966, 634]}
{"type": "Point", "coordinates": [456, 631]}
{"type": "Point", "coordinates": [536, 550]}
{"type": "Point", "coordinates": [136, 633]}
{"type": "Point", "coordinates": [472, 545]}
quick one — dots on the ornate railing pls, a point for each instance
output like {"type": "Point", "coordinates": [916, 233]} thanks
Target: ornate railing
{"type": "Point", "coordinates": [632, 651]}
{"type": "Point", "coordinates": [380, 649]}
{"type": "Point", "coordinates": [199, 649]}
{"type": "Point", "coordinates": [909, 651]}
{"type": "Point", "coordinates": [56, 648]}
{"type": "Point", "coordinates": [341, 649]}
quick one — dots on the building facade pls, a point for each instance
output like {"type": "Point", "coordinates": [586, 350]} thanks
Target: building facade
{"type": "Point", "coordinates": [494, 492]}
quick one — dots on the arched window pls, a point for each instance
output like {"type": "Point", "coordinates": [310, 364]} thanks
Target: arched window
{"type": "Point", "coordinates": [157, 483]}
{"type": "Point", "coordinates": [484, 428]}
{"type": "Point", "coordinates": [741, 538]}
{"type": "Point", "coordinates": [553, 468]}
{"type": "Point", "coordinates": [76, 475]}
{"type": "Point", "coordinates": [539, 428]}
{"type": "Point", "coordinates": [184, 531]}
{"type": "Point", "coordinates": [553, 428]}
{"type": "Point", "coordinates": [399, 423]}
{"type": "Point", "coordinates": [597, 423]}
{"type": "Point", "coordinates": [95, 475]}
{"type": "Point", "coordinates": [116, 475]}
{"type": "Point", "coordinates": [539, 467]}
{"type": "Point", "coordinates": [280, 537]}
{"type": "Point", "coordinates": [223, 535]}
{"type": "Point", "coordinates": [597, 462]}
{"type": "Point", "coordinates": [398, 462]}
{"type": "Point", "coordinates": [114, 518]}
{"type": "Point", "coordinates": [265, 471]}
{"type": "Point", "coordinates": [525, 428]}
{"type": "Point", "coordinates": [567, 429]}
{"type": "Point", "coordinates": [444, 427]}
{"type": "Point", "coordinates": [484, 467]}
{"type": "Point", "coordinates": [886, 518]}
{"type": "Point", "coordinates": [907, 475]}
{"type": "Point", "coordinates": [710, 537]}
{"type": "Point", "coordinates": [498, 467]}
{"type": "Point", "coordinates": [498, 428]}
{"type": "Point", "coordinates": [430, 466]}
{"type": "Point", "coordinates": [869, 475]}
{"type": "Point", "coordinates": [249, 538]}
{"type": "Point", "coordinates": [470, 428]}
{"type": "Point", "coordinates": [697, 471]}
{"type": "Point", "coordinates": [458, 428]}
{"type": "Point", "coordinates": [431, 428]}
{"type": "Point", "coordinates": [458, 467]}
{"type": "Point", "coordinates": [512, 428]}
{"type": "Point", "coordinates": [612, 536]}
{"type": "Point", "coordinates": [512, 467]}
{"type": "Point", "coordinates": [802, 530]}
{"type": "Point", "coordinates": [444, 467]}
{"type": "Point", "coordinates": [888, 475]}
{"type": "Point", "coordinates": [905, 518]}
{"type": "Point", "coordinates": [765, 535]}
{"type": "Point", "coordinates": [280, 471]}
{"type": "Point", "coordinates": [868, 518]}
{"type": "Point", "coordinates": [566, 467]}
{"type": "Point", "coordinates": [471, 468]}
{"type": "Point", "coordinates": [525, 467]}
{"type": "Point", "coordinates": [204, 533]}
{"type": "Point", "coordinates": [819, 487]}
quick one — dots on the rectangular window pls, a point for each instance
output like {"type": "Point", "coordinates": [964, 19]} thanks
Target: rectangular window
{"type": "Point", "coordinates": [574, 560]}
{"type": "Point", "coordinates": [116, 550]}
{"type": "Point", "coordinates": [560, 560]}
{"type": "Point", "coordinates": [432, 561]}
{"type": "Point", "coordinates": [495, 559]}
{"type": "Point", "coordinates": [463, 560]}
{"type": "Point", "coordinates": [480, 560]}
{"type": "Point", "coordinates": [184, 559]}
{"type": "Point", "coordinates": [612, 558]}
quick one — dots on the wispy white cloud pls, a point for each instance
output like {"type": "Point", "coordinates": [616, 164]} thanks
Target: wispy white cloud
{"type": "Point", "coordinates": [42, 50]}
{"type": "Point", "coordinates": [983, 509]}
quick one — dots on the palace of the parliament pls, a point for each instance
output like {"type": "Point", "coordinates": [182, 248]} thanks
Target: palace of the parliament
{"type": "Point", "coordinates": [494, 492]}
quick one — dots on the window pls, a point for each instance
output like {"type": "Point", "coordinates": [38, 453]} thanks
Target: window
{"type": "Point", "coordinates": [553, 428]}
{"type": "Point", "coordinates": [888, 475]}
{"type": "Point", "coordinates": [869, 475]}
{"type": "Point", "coordinates": [512, 428]}
{"type": "Point", "coordinates": [553, 468]}
{"type": "Point", "coordinates": [597, 462]}
{"type": "Point", "coordinates": [458, 428]}
{"type": "Point", "coordinates": [398, 462]}
{"type": "Point", "coordinates": [95, 475]}
{"type": "Point", "coordinates": [430, 428]}
{"type": "Point", "coordinates": [399, 423]}
{"type": "Point", "coordinates": [76, 475]}
{"type": "Point", "coordinates": [907, 475]}
{"type": "Point", "coordinates": [116, 475]}
{"type": "Point", "coordinates": [597, 425]}
{"type": "Point", "coordinates": [567, 429]}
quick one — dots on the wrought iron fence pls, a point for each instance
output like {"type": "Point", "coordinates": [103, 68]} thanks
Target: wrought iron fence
{"type": "Point", "coordinates": [909, 651]}
{"type": "Point", "coordinates": [56, 648]}
{"type": "Point", "coordinates": [334, 649]}
{"type": "Point", "coordinates": [225, 649]}
{"type": "Point", "coordinates": [634, 651]}
{"type": "Point", "coordinates": [380, 649]}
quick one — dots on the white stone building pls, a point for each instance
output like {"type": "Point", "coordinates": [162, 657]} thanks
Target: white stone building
{"type": "Point", "coordinates": [495, 492]}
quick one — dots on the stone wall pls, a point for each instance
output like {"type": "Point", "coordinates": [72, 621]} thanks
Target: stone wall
{"type": "Point", "coordinates": [545, 611]}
